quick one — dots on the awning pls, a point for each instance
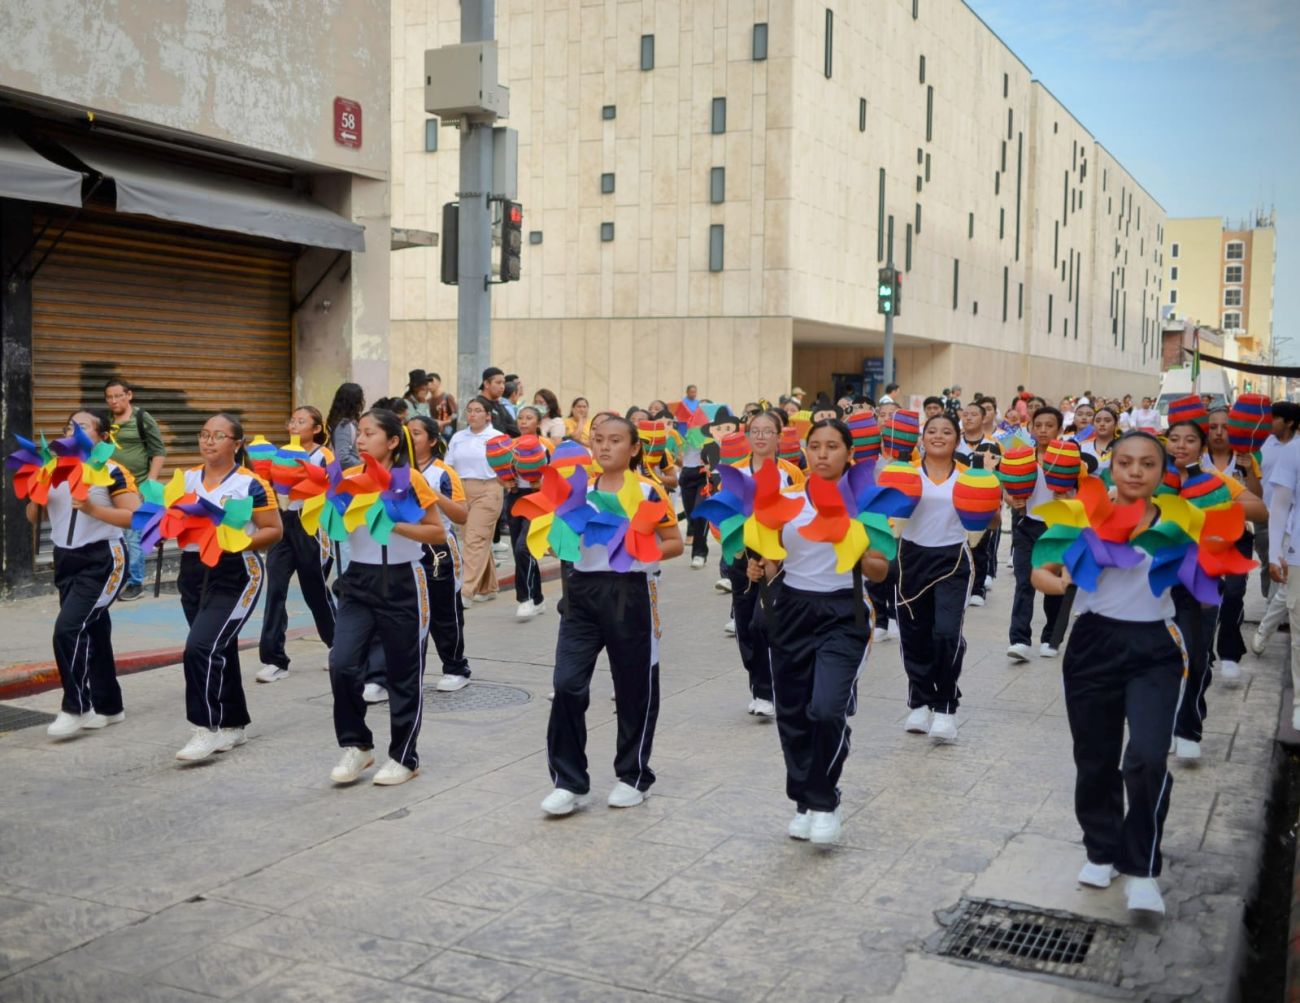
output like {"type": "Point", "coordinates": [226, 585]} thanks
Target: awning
{"type": "Point", "coordinates": [189, 195]}
{"type": "Point", "coordinates": [26, 175]}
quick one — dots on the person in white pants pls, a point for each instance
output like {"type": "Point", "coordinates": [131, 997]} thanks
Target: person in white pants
{"type": "Point", "coordinates": [1284, 546]}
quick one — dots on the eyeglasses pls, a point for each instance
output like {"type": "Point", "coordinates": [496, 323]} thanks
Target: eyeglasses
{"type": "Point", "coordinates": [214, 436]}
{"type": "Point", "coordinates": [762, 433]}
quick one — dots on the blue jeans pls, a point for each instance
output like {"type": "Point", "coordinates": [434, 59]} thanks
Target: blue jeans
{"type": "Point", "coordinates": [134, 558]}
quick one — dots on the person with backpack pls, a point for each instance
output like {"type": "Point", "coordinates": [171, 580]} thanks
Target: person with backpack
{"type": "Point", "coordinates": [141, 452]}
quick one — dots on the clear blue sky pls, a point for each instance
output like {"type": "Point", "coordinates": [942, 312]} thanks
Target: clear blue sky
{"type": "Point", "coordinates": [1199, 100]}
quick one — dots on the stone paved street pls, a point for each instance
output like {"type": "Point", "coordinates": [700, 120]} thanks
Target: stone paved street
{"type": "Point", "coordinates": [126, 877]}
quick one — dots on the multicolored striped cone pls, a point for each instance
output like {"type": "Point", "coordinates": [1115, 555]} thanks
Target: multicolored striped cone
{"type": "Point", "coordinates": [866, 436]}
{"type": "Point", "coordinates": [529, 458]}
{"type": "Point", "coordinates": [977, 497]}
{"type": "Point", "coordinates": [906, 479]}
{"type": "Point", "coordinates": [1018, 472]}
{"type": "Point", "coordinates": [1062, 465]}
{"type": "Point", "coordinates": [568, 456]}
{"type": "Point", "coordinates": [1250, 420]}
{"type": "Point", "coordinates": [654, 439]}
{"type": "Point", "coordinates": [791, 447]}
{"type": "Point", "coordinates": [499, 456]}
{"type": "Point", "coordinates": [1206, 490]}
{"type": "Point", "coordinates": [898, 437]}
{"type": "Point", "coordinates": [1172, 482]}
{"type": "Point", "coordinates": [1191, 409]}
{"type": "Point", "coordinates": [735, 448]}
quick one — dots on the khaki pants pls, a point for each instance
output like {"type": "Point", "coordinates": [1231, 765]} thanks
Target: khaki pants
{"type": "Point", "coordinates": [484, 499]}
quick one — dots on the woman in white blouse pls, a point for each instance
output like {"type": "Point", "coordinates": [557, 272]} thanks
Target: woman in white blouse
{"type": "Point", "coordinates": [467, 455]}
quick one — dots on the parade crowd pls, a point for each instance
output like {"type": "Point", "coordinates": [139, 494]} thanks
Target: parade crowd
{"type": "Point", "coordinates": [834, 525]}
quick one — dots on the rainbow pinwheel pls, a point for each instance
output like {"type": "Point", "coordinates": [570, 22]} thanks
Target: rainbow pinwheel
{"type": "Point", "coordinates": [171, 513]}
{"type": "Point", "coordinates": [32, 466]}
{"type": "Point", "coordinates": [285, 469]}
{"type": "Point", "coordinates": [557, 512]}
{"type": "Point", "coordinates": [853, 515]}
{"type": "Point", "coordinates": [323, 500]}
{"type": "Point", "coordinates": [750, 512]}
{"type": "Point", "coordinates": [1194, 547]}
{"type": "Point", "coordinates": [1088, 533]}
{"type": "Point", "coordinates": [624, 523]}
{"type": "Point", "coordinates": [380, 499]}
{"type": "Point", "coordinates": [75, 460]}
{"type": "Point", "coordinates": [156, 502]}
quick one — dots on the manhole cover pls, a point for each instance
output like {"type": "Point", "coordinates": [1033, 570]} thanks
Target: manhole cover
{"type": "Point", "coordinates": [16, 718]}
{"type": "Point", "coordinates": [475, 696]}
{"type": "Point", "coordinates": [1027, 939]}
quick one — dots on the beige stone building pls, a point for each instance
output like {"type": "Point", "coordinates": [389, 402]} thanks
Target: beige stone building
{"type": "Point", "coordinates": [1220, 274]}
{"type": "Point", "coordinates": [709, 188]}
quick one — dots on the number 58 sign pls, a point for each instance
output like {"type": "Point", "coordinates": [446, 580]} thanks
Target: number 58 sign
{"type": "Point", "coordinates": [347, 122]}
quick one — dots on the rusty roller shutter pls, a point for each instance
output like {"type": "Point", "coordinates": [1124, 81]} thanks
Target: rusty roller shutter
{"type": "Point", "coordinates": [195, 324]}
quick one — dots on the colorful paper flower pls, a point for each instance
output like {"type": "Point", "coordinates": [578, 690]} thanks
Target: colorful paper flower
{"type": "Point", "coordinates": [557, 513]}
{"type": "Point", "coordinates": [624, 523]}
{"type": "Point", "coordinates": [1088, 533]}
{"type": "Point", "coordinates": [32, 466]}
{"type": "Point", "coordinates": [1194, 547]}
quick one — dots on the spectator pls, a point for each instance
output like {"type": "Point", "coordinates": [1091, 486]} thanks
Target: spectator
{"type": "Point", "coordinates": [577, 426]}
{"type": "Point", "coordinates": [344, 413]}
{"type": "Point", "coordinates": [442, 406]}
{"type": "Point", "coordinates": [552, 424]}
{"type": "Point", "coordinates": [514, 395]}
{"type": "Point", "coordinates": [891, 392]}
{"type": "Point", "coordinates": [140, 450]}
{"type": "Point", "coordinates": [492, 392]}
{"type": "Point", "coordinates": [933, 406]}
{"type": "Point", "coordinates": [417, 392]}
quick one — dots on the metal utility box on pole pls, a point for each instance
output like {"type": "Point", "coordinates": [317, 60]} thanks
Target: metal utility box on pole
{"type": "Point", "coordinates": [461, 87]}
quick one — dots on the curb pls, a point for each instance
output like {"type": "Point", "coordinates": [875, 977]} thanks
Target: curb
{"type": "Point", "coordinates": [29, 678]}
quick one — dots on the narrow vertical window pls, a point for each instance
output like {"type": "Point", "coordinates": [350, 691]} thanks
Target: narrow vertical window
{"type": "Point", "coordinates": [760, 41]}
{"type": "Point", "coordinates": [907, 248]}
{"type": "Point", "coordinates": [607, 184]}
{"type": "Point", "coordinates": [929, 112]}
{"type": "Point", "coordinates": [862, 114]}
{"type": "Point", "coordinates": [715, 247]}
{"type": "Point", "coordinates": [927, 168]}
{"type": "Point", "coordinates": [916, 9]}
{"type": "Point", "coordinates": [1010, 121]}
{"type": "Point", "coordinates": [430, 135]}
{"type": "Point", "coordinates": [717, 185]}
{"type": "Point", "coordinates": [889, 239]}
{"type": "Point", "coordinates": [830, 36]}
{"type": "Point", "coordinates": [1049, 313]}
{"type": "Point", "coordinates": [970, 225]}
{"type": "Point", "coordinates": [918, 219]}
{"type": "Point", "coordinates": [718, 120]}
{"type": "Point", "coordinates": [923, 69]}
{"type": "Point", "coordinates": [1006, 85]}
{"type": "Point", "coordinates": [880, 220]}
{"type": "Point", "coordinates": [956, 275]}
{"type": "Point", "coordinates": [1020, 300]}
{"type": "Point", "coordinates": [1002, 223]}
{"type": "Point", "coordinates": [647, 52]}
{"type": "Point", "coordinates": [997, 182]}
{"type": "Point", "coordinates": [606, 232]}
{"type": "Point", "coordinates": [1004, 155]}
{"type": "Point", "coordinates": [1006, 278]}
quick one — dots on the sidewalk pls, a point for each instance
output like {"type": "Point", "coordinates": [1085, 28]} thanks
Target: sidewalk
{"type": "Point", "coordinates": [251, 878]}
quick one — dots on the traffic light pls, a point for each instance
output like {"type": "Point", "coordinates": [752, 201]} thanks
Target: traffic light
{"type": "Point", "coordinates": [887, 291]}
{"type": "Point", "coordinates": [512, 240]}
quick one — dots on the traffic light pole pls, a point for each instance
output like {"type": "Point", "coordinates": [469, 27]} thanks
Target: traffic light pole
{"type": "Point", "coordinates": [889, 342]}
{"type": "Point", "coordinates": [473, 293]}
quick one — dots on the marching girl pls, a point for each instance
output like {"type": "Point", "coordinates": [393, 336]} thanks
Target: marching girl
{"type": "Point", "coordinates": [979, 449]}
{"type": "Point", "coordinates": [1186, 442]}
{"type": "Point", "coordinates": [384, 596]}
{"type": "Point", "coordinates": [1124, 664]}
{"type": "Point", "coordinates": [89, 571]}
{"type": "Point", "coordinates": [467, 455]}
{"type": "Point", "coordinates": [820, 631]}
{"type": "Point", "coordinates": [218, 600]}
{"type": "Point", "coordinates": [935, 575]}
{"type": "Point", "coordinates": [528, 575]}
{"type": "Point", "coordinates": [616, 612]}
{"type": "Point", "coordinates": [764, 435]}
{"type": "Point", "coordinates": [1026, 528]}
{"type": "Point", "coordinates": [1229, 644]}
{"type": "Point", "coordinates": [297, 553]}
{"type": "Point", "coordinates": [1105, 429]}
{"type": "Point", "coordinates": [441, 561]}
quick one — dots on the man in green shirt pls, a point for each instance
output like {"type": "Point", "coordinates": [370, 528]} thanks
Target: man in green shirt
{"type": "Point", "coordinates": [139, 449]}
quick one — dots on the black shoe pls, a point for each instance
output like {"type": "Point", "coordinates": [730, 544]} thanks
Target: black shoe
{"type": "Point", "coordinates": [131, 592]}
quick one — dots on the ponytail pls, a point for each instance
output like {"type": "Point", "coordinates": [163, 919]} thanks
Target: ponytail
{"type": "Point", "coordinates": [236, 432]}
{"type": "Point", "coordinates": [394, 429]}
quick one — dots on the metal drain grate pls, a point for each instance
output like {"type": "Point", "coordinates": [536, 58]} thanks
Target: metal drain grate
{"type": "Point", "coordinates": [1009, 935]}
{"type": "Point", "coordinates": [16, 718]}
{"type": "Point", "coordinates": [475, 696]}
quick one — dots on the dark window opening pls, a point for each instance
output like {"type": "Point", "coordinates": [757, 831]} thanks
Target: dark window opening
{"type": "Point", "coordinates": [715, 247]}
{"type": "Point", "coordinates": [862, 114]}
{"type": "Point", "coordinates": [830, 32]}
{"type": "Point", "coordinates": [929, 112]}
{"type": "Point", "coordinates": [956, 268]}
{"type": "Point", "coordinates": [907, 248]}
{"type": "Point", "coordinates": [608, 111]}
{"type": "Point", "coordinates": [760, 42]}
{"type": "Point", "coordinates": [647, 52]}
{"type": "Point", "coordinates": [606, 184]}
{"type": "Point", "coordinates": [923, 69]}
{"type": "Point", "coordinates": [880, 220]}
{"type": "Point", "coordinates": [606, 232]}
{"type": "Point", "coordinates": [717, 185]}
{"type": "Point", "coordinates": [718, 119]}
{"type": "Point", "coordinates": [918, 219]}
{"type": "Point", "coordinates": [430, 135]}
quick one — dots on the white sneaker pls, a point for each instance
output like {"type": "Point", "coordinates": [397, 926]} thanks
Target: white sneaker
{"type": "Point", "coordinates": [944, 728]}
{"type": "Point", "coordinates": [1143, 895]}
{"type": "Point", "coordinates": [562, 802]}
{"type": "Point", "coordinates": [1097, 875]}
{"type": "Point", "coordinates": [625, 796]}
{"type": "Point", "coordinates": [988, 581]}
{"type": "Point", "coordinates": [201, 745]}
{"type": "Point", "coordinates": [230, 738]}
{"type": "Point", "coordinates": [65, 724]}
{"type": "Point", "coordinates": [894, 632]}
{"type": "Point", "coordinates": [825, 826]}
{"type": "Point", "coordinates": [877, 636]}
{"type": "Point", "coordinates": [393, 773]}
{"type": "Point", "coordinates": [93, 721]}
{"type": "Point", "coordinates": [117, 718]}
{"type": "Point", "coordinates": [1046, 650]}
{"type": "Point", "coordinates": [539, 607]}
{"type": "Point", "coordinates": [374, 693]}
{"type": "Point", "coordinates": [697, 563]}
{"type": "Point", "coordinates": [450, 683]}
{"type": "Point", "coordinates": [918, 722]}
{"type": "Point", "coordinates": [526, 610]}
{"type": "Point", "coordinates": [730, 628]}
{"type": "Point", "coordinates": [1187, 750]}
{"type": "Point", "coordinates": [1229, 670]}
{"type": "Point", "coordinates": [722, 585]}
{"type": "Point", "coordinates": [481, 597]}
{"type": "Point", "coordinates": [977, 600]}
{"type": "Point", "coordinates": [351, 765]}
{"type": "Point", "coordinates": [1019, 653]}
{"type": "Point", "coordinates": [1258, 643]}
{"type": "Point", "coordinates": [271, 674]}
{"type": "Point", "coordinates": [800, 826]}
{"type": "Point", "coordinates": [764, 708]}
{"type": "Point", "coordinates": [1295, 718]}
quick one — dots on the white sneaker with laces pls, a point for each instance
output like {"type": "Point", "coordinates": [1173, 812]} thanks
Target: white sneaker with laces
{"type": "Point", "coordinates": [451, 682]}
{"type": "Point", "coordinates": [1143, 895]}
{"type": "Point", "coordinates": [800, 826]}
{"type": "Point", "coordinates": [751, 705]}
{"type": "Point", "coordinates": [894, 632]}
{"type": "Point", "coordinates": [524, 610]}
{"type": "Point", "coordinates": [374, 693]}
{"type": "Point", "coordinates": [93, 721]}
{"type": "Point", "coordinates": [730, 628]}
{"type": "Point", "coordinates": [393, 773]}
{"type": "Point", "coordinates": [1229, 670]}
{"type": "Point", "coordinates": [202, 744]}
{"type": "Point", "coordinates": [943, 728]}
{"type": "Point", "coordinates": [697, 563]}
{"type": "Point", "coordinates": [722, 585]}
{"type": "Point", "coordinates": [1258, 643]}
{"type": "Point", "coordinates": [539, 607]}
{"type": "Point", "coordinates": [562, 802]}
{"type": "Point", "coordinates": [977, 600]}
{"type": "Point", "coordinates": [825, 826]}
{"type": "Point", "coordinates": [271, 673]}
{"type": "Point", "coordinates": [231, 738]}
{"type": "Point", "coordinates": [117, 718]}
{"type": "Point", "coordinates": [988, 581]}
{"type": "Point", "coordinates": [64, 725]}
{"type": "Point", "coordinates": [1097, 875]}
{"type": "Point", "coordinates": [625, 796]}
{"type": "Point", "coordinates": [877, 636]}
{"type": "Point", "coordinates": [1019, 653]}
{"type": "Point", "coordinates": [482, 597]}
{"type": "Point", "coordinates": [918, 722]}
{"type": "Point", "coordinates": [1046, 650]}
{"type": "Point", "coordinates": [764, 708]}
{"type": "Point", "coordinates": [1187, 750]}
{"type": "Point", "coordinates": [351, 765]}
